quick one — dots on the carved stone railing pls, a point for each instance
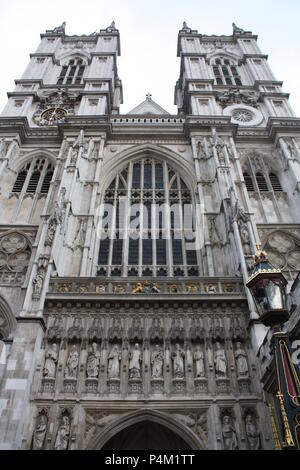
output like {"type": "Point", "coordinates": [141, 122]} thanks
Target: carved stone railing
{"type": "Point", "coordinates": [204, 287]}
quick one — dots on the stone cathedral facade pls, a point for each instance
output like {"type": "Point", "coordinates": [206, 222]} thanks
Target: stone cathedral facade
{"type": "Point", "coordinates": [126, 241]}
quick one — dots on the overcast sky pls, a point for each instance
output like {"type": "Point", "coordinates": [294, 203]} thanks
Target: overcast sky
{"type": "Point", "coordinates": [148, 30]}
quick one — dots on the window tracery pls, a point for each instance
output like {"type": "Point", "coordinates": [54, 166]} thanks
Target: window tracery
{"type": "Point", "coordinates": [148, 224]}
{"type": "Point", "coordinates": [226, 72]}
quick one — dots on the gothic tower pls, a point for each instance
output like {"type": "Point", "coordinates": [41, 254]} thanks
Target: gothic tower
{"type": "Point", "coordinates": [126, 242]}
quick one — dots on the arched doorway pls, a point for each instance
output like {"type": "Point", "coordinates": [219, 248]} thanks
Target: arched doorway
{"type": "Point", "coordinates": [146, 435]}
{"type": "Point", "coordinates": [147, 430]}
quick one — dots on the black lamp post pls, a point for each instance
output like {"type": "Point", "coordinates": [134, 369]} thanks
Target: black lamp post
{"type": "Point", "coordinates": [268, 288]}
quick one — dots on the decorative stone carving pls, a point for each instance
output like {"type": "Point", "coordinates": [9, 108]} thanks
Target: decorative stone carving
{"type": "Point", "coordinates": [72, 364]}
{"type": "Point", "coordinates": [75, 332]}
{"type": "Point", "coordinates": [220, 361]}
{"type": "Point", "coordinates": [93, 362]}
{"type": "Point", "coordinates": [95, 331]}
{"type": "Point", "coordinates": [56, 218]}
{"type": "Point", "coordinates": [58, 100]}
{"type": "Point", "coordinates": [236, 96]}
{"type": "Point", "coordinates": [38, 280]}
{"type": "Point", "coordinates": [15, 253]}
{"type": "Point", "coordinates": [114, 359]}
{"type": "Point", "coordinates": [237, 30]}
{"type": "Point", "coordinates": [146, 288]}
{"type": "Point", "coordinates": [199, 362]}
{"type": "Point", "coordinates": [241, 361]}
{"type": "Point", "coordinates": [176, 331]}
{"type": "Point", "coordinates": [49, 370]}
{"type": "Point", "coordinates": [116, 330]}
{"type": "Point", "coordinates": [229, 433]}
{"type": "Point", "coordinates": [197, 330]}
{"type": "Point", "coordinates": [157, 362]}
{"type": "Point", "coordinates": [252, 432]}
{"type": "Point", "coordinates": [157, 331]}
{"type": "Point", "coordinates": [55, 332]}
{"type": "Point", "coordinates": [135, 362]}
{"type": "Point", "coordinates": [136, 332]}
{"type": "Point", "coordinates": [3, 148]}
{"type": "Point", "coordinates": [63, 434]}
{"type": "Point", "coordinates": [217, 331]}
{"type": "Point", "coordinates": [178, 362]}
{"type": "Point", "coordinates": [79, 238]}
{"type": "Point", "coordinates": [40, 431]}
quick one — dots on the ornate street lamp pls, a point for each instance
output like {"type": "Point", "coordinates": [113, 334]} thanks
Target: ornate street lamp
{"type": "Point", "coordinates": [268, 288]}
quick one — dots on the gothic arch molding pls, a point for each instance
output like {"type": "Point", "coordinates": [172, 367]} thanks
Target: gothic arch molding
{"type": "Point", "coordinates": [175, 160]}
{"type": "Point", "coordinates": [154, 416]}
{"type": "Point", "coordinates": [7, 320]}
{"type": "Point", "coordinates": [16, 164]}
{"type": "Point", "coordinates": [65, 58]}
{"type": "Point", "coordinates": [219, 54]}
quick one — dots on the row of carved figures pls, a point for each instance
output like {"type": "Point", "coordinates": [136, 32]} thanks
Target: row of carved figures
{"type": "Point", "coordinates": [135, 357]}
{"type": "Point", "coordinates": [229, 434]}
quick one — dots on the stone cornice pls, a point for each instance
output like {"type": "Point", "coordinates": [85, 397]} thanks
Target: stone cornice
{"type": "Point", "coordinates": [27, 320]}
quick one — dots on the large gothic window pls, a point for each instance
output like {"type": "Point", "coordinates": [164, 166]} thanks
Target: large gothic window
{"type": "Point", "coordinates": [71, 74]}
{"type": "Point", "coordinates": [148, 225]}
{"type": "Point", "coordinates": [35, 176]}
{"type": "Point", "coordinates": [226, 72]}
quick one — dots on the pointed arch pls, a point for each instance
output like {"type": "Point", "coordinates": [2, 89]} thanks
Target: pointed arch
{"type": "Point", "coordinates": [159, 417]}
{"type": "Point", "coordinates": [7, 320]}
{"type": "Point", "coordinates": [113, 165]}
{"type": "Point", "coordinates": [73, 55]}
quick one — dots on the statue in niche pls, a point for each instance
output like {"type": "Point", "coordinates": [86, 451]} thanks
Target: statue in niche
{"type": "Point", "coordinates": [253, 434]}
{"type": "Point", "coordinates": [39, 433]}
{"type": "Point", "coordinates": [178, 362]}
{"type": "Point", "coordinates": [37, 284]}
{"type": "Point", "coordinates": [51, 361]}
{"type": "Point", "coordinates": [157, 362]}
{"type": "Point", "coordinates": [199, 360]}
{"type": "Point", "coordinates": [220, 361]}
{"type": "Point", "coordinates": [93, 362]}
{"type": "Point", "coordinates": [241, 361]}
{"type": "Point", "coordinates": [244, 233]}
{"type": "Point", "coordinates": [229, 434]}
{"type": "Point", "coordinates": [114, 359]}
{"type": "Point", "coordinates": [72, 364]}
{"type": "Point", "coordinates": [2, 148]}
{"type": "Point", "coordinates": [135, 362]}
{"type": "Point", "coordinates": [80, 234]}
{"type": "Point", "coordinates": [63, 434]}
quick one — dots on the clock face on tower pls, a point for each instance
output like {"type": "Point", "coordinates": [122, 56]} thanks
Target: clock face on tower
{"type": "Point", "coordinates": [53, 115]}
{"type": "Point", "coordinates": [54, 108]}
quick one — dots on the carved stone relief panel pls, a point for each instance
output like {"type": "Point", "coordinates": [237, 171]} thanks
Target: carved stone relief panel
{"type": "Point", "coordinates": [15, 253]}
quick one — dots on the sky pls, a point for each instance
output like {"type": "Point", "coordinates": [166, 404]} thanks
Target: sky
{"type": "Point", "coordinates": [148, 31]}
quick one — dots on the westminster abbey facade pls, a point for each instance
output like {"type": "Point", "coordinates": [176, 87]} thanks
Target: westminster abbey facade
{"type": "Point", "coordinates": [126, 241]}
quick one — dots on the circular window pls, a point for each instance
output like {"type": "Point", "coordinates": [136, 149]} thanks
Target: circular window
{"type": "Point", "coordinates": [243, 115]}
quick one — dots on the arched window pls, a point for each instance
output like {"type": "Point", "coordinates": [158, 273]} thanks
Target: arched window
{"type": "Point", "coordinates": [153, 235]}
{"type": "Point", "coordinates": [226, 72]}
{"type": "Point", "coordinates": [249, 182]}
{"type": "Point", "coordinates": [275, 182]}
{"type": "Point", "coordinates": [34, 176]}
{"type": "Point", "coordinates": [72, 73]}
{"type": "Point", "coordinates": [261, 182]}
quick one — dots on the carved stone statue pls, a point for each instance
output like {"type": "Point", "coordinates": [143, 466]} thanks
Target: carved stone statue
{"type": "Point", "coordinates": [253, 434]}
{"type": "Point", "coordinates": [39, 433]}
{"type": "Point", "coordinates": [114, 363]}
{"type": "Point", "coordinates": [50, 362]}
{"type": "Point", "coordinates": [199, 360]}
{"type": "Point", "coordinates": [2, 148]}
{"type": "Point", "coordinates": [135, 362]}
{"type": "Point", "coordinates": [37, 284]}
{"type": "Point", "coordinates": [63, 434]}
{"type": "Point", "coordinates": [178, 362]}
{"type": "Point", "coordinates": [220, 361]}
{"type": "Point", "coordinates": [157, 362]}
{"type": "Point", "coordinates": [229, 434]}
{"type": "Point", "coordinates": [72, 364]}
{"type": "Point", "coordinates": [241, 361]}
{"type": "Point", "coordinates": [93, 362]}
